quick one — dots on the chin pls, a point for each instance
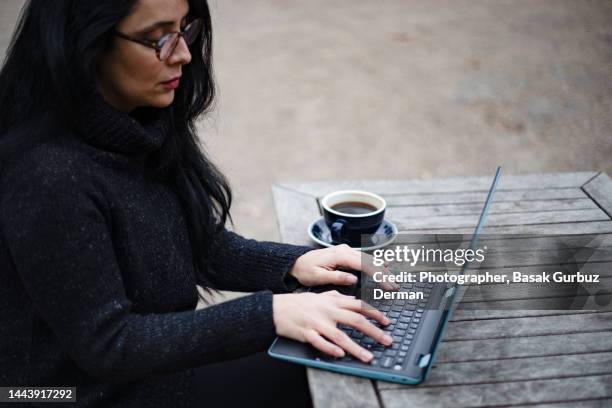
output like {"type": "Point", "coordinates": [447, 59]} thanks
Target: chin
{"type": "Point", "coordinates": [163, 101]}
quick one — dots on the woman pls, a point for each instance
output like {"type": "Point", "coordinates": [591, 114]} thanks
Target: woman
{"type": "Point", "coordinates": [110, 214]}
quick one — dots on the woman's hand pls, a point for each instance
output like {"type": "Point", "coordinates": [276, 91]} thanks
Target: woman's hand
{"type": "Point", "coordinates": [313, 318]}
{"type": "Point", "coordinates": [319, 267]}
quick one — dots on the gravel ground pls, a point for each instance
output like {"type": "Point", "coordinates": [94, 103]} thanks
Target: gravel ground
{"type": "Point", "coordinates": [353, 89]}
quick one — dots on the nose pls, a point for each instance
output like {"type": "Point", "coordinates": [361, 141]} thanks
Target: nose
{"type": "Point", "coordinates": [181, 54]}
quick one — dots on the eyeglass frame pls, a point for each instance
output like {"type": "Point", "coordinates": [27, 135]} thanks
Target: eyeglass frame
{"type": "Point", "coordinates": [156, 44]}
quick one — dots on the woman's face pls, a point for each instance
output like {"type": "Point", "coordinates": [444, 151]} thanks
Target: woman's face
{"type": "Point", "coordinates": [130, 75]}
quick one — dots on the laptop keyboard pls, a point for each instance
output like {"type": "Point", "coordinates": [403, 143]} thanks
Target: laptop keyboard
{"type": "Point", "coordinates": [405, 317]}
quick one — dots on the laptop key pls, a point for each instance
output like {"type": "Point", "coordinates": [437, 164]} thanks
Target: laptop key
{"type": "Point", "coordinates": [378, 347]}
{"type": "Point", "coordinates": [390, 353]}
{"type": "Point", "coordinates": [386, 362]}
{"type": "Point", "coordinates": [399, 332]}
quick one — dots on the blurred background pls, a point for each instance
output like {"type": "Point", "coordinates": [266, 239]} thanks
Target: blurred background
{"type": "Point", "coordinates": [401, 89]}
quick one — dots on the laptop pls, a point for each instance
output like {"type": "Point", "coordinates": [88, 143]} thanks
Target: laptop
{"type": "Point", "coordinates": [417, 330]}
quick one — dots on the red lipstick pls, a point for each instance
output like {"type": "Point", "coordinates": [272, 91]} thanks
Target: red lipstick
{"type": "Point", "coordinates": [171, 84]}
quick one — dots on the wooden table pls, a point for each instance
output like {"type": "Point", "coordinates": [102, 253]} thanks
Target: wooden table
{"type": "Point", "coordinates": [505, 358]}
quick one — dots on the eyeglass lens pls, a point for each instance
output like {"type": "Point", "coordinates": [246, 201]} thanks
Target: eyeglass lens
{"type": "Point", "coordinates": [170, 43]}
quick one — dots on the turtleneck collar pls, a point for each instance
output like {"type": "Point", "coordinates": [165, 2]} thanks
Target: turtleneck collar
{"type": "Point", "coordinates": [141, 131]}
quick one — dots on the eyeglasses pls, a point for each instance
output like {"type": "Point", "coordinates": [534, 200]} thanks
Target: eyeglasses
{"type": "Point", "coordinates": [165, 46]}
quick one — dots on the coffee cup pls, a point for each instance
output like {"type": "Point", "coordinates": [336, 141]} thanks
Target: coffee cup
{"type": "Point", "coordinates": [349, 214]}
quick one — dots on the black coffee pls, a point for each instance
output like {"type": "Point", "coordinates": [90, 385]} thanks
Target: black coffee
{"type": "Point", "coordinates": [354, 207]}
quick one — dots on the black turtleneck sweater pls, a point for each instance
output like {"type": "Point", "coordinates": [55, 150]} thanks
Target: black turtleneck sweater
{"type": "Point", "coordinates": [97, 284]}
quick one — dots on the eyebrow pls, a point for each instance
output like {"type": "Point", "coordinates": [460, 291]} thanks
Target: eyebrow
{"type": "Point", "coordinates": [160, 24]}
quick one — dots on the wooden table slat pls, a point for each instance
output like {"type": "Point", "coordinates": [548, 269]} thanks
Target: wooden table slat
{"type": "Point", "coordinates": [341, 391]}
{"type": "Point", "coordinates": [586, 227]}
{"type": "Point", "coordinates": [600, 190]}
{"type": "Point", "coordinates": [525, 291]}
{"type": "Point", "coordinates": [595, 261]}
{"type": "Point", "coordinates": [516, 369]}
{"type": "Point", "coordinates": [515, 243]}
{"type": "Point", "coordinates": [593, 403]}
{"type": "Point", "coordinates": [405, 212]}
{"type": "Point", "coordinates": [512, 308]}
{"type": "Point", "coordinates": [496, 219]}
{"type": "Point", "coordinates": [459, 197]}
{"type": "Point", "coordinates": [546, 345]}
{"type": "Point", "coordinates": [453, 184]}
{"type": "Point", "coordinates": [508, 393]}
{"type": "Point", "coordinates": [528, 326]}
{"type": "Point", "coordinates": [294, 211]}
{"type": "Point", "coordinates": [493, 314]}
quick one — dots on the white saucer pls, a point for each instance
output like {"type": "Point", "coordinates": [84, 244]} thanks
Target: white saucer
{"type": "Point", "coordinates": [385, 235]}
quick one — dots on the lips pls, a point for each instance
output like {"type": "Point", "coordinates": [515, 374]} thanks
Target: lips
{"type": "Point", "coordinates": [172, 83]}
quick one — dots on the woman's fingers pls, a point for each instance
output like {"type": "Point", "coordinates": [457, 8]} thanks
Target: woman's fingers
{"type": "Point", "coordinates": [337, 294]}
{"type": "Point", "coordinates": [318, 342]}
{"type": "Point", "coordinates": [362, 307]}
{"type": "Point", "coordinates": [356, 305]}
{"type": "Point", "coordinates": [346, 256]}
{"type": "Point", "coordinates": [344, 278]}
{"type": "Point", "coordinates": [362, 324]}
{"type": "Point", "coordinates": [361, 261]}
{"type": "Point", "coordinates": [375, 314]}
{"type": "Point", "coordinates": [340, 338]}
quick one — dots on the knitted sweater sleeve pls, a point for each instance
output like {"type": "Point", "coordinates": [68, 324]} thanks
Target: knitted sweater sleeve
{"type": "Point", "coordinates": [249, 265]}
{"type": "Point", "coordinates": [55, 226]}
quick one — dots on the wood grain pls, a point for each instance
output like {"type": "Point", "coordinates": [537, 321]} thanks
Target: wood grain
{"type": "Point", "coordinates": [501, 394]}
{"type": "Point", "coordinates": [600, 190]}
{"type": "Point", "coordinates": [334, 390]}
{"type": "Point", "coordinates": [528, 326]}
{"type": "Point", "coordinates": [516, 369]}
{"type": "Point", "coordinates": [453, 184]}
{"type": "Point", "coordinates": [478, 197]}
{"type": "Point", "coordinates": [504, 207]}
{"type": "Point", "coordinates": [535, 346]}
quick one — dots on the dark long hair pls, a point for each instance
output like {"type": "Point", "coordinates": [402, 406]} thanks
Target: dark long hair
{"type": "Point", "coordinates": [50, 68]}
